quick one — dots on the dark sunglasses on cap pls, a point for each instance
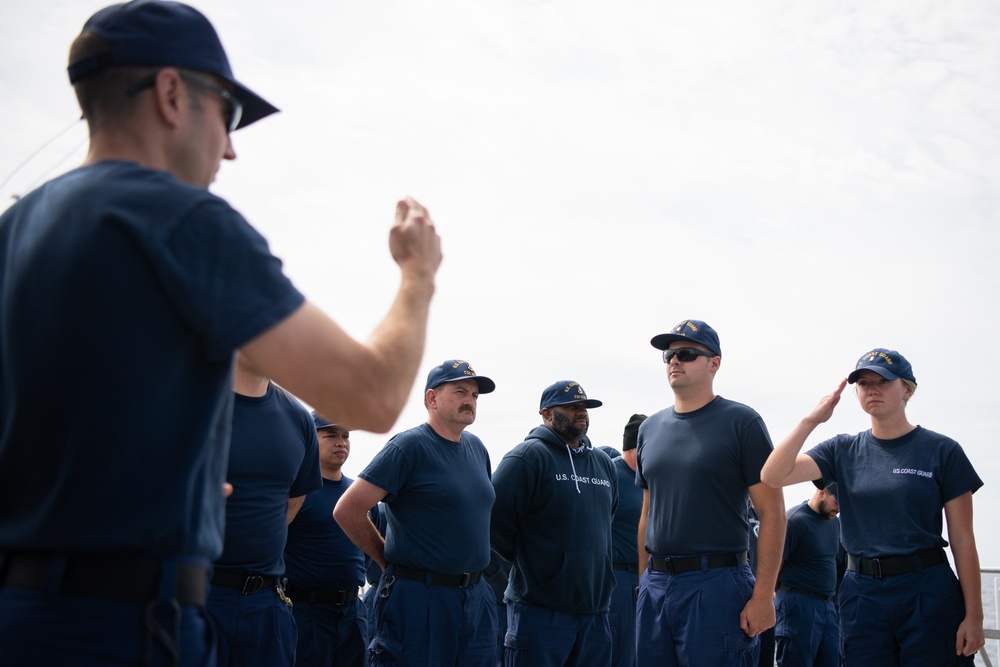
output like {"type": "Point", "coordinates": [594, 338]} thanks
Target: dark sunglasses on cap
{"type": "Point", "coordinates": [685, 354]}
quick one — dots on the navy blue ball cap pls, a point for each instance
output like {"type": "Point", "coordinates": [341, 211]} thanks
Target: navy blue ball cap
{"type": "Point", "coordinates": [152, 33]}
{"type": "Point", "coordinates": [321, 421]}
{"type": "Point", "coordinates": [695, 331]}
{"type": "Point", "coordinates": [565, 392]}
{"type": "Point", "coordinates": [454, 370]}
{"type": "Point", "coordinates": [888, 363]}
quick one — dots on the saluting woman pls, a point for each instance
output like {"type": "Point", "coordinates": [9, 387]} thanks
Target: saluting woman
{"type": "Point", "coordinates": [900, 602]}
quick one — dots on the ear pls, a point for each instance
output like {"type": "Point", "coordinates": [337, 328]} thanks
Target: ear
{"type": "Point", "coordinates": [430, 398]}
{"type": "Point", "coordinates": [714, 363]}
{"type": "Point", "coordinates": [169, 92]}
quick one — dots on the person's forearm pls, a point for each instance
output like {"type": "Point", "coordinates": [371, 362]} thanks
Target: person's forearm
{"type": "Point", "coordinates": [781, 462]}
{"type": "Point", "coordinates": [641, 535]}
{"type": "Point", "coordinates": [397, 344]}
{"type": "Point", "coordinates": [364, 534]}
{"type": "Point", "coordinates": [770, 544]}
{"type": "Point", "coordinates": [969, 576]}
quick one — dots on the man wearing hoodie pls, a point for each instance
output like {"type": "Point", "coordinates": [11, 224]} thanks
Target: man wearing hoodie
{"type": "Point", "coordinates": [556, 497]}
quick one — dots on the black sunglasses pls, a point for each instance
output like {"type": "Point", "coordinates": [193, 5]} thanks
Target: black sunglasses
{"type": "Point", "coordinates": [685, 354]}
{"type": "Point", "coordinates": [234, 110]}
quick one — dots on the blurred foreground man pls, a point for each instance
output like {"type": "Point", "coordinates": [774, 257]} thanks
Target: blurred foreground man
{"type": "Point", "coordinates": [128, 276]}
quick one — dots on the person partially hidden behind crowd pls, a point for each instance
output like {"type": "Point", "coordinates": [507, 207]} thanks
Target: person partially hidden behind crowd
{"type": "Point", "coordinates": [432, 606]}
{"type": "Point", "coordinates": [128, 276]}
{"type": "Point", "coordinates": [324, 569]}
{"type": "Point", "coordinates": [556, 498]}
{"type": "Point", "coordinates": [625, 550]}
{"type": "Point", "coordinates": [900, 602]}
{"type": "Point", "coordinates": [273, 464]}
{"type": "Point", "coordinates": [807, 631]}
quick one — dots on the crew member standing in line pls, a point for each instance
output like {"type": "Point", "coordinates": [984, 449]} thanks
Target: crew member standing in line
{"type": "Point", "coordinates": [324, 568]}
{"type": "Point", "coordinates": [625, 558]}
{"type": "Point", "coordinates": [273, 464]}
{"type": "Point", "coordinates": [807, 631]}
{"type": "Point", "coordinates": [432, 606]}
{"type": "Point", "coordinates": [900, 603]}
{"type": "Point", "coordinates": [556, 498]}
{"type": "Point", "coordinates": [699, 463]}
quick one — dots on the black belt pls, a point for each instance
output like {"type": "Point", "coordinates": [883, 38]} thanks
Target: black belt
{"type": "Point", "coordinates": [891, 565]}
{"type": "Point", "coordinates": [247, 584]}
{"type": "Point", "coordinates": [110, 577]}
{"type": "Point", "coordinates": [460, 580]}
{"type": "Point", "coordinates": [803, 591]}
{"type": "Point", "coordinates": [336, 598]}
{"type": "Point", "coordinates": [692, 563]}
{"type": "Point", "coordinates": [626, 567]}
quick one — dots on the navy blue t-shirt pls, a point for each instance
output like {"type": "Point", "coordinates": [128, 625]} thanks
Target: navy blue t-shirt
{"type": "Point", "coordinates": [698, 467]}
{"type": "Point", "coordinates": [123, 297]}
{"type": "Point", "coordinates": [625, 527]}
{"type": "Point", "coordinates": [438, 503]}
{"type": "Point", "coordinates": [274, 457]}
{"type": "Point", "coordinates": [892, 492]}
{"type": "Point", "coordinates": [318, 555]}
{"type": "Point", "coordinates": [811, 546]}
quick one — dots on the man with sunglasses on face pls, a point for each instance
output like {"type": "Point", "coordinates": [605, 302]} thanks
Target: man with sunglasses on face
{"type": "Point", "coordinates": [698, 463]}
{"type": "Point", "coordinates": [126, 289]}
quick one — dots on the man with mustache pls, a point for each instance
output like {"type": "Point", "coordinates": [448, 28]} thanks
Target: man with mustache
{"type": "Point", "coordinates": [435, 482]}
{"type": "Point", "coordinates": [556, 497]}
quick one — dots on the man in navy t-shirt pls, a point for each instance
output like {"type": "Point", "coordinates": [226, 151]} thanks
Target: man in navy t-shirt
{"type": "Point", "coordinates": [699, 463]}
{"type": "Point", "coordinates": [807, 631]}
{"type": "Point", "coordinates": [128, 278]}
{"type": "Point", "coordinates": [273, 464]}
{"type": "Point", "coordinates": [324, 568]}
{"type": "Point", "coordinates": [435, 482]}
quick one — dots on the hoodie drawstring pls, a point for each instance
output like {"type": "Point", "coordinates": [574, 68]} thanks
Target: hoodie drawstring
{"type": "Point", "coordinates": [569, 451]}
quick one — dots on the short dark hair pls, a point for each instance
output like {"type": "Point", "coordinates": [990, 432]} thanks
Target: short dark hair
{"type": "Point", "coordinates": [103, 97]}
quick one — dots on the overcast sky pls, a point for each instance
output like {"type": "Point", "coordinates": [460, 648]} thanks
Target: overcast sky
{"type": "Point", "coordinates": [814, 179]}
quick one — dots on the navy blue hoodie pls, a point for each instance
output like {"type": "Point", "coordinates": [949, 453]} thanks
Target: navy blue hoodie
{"type": "Point", "coordinates": [552, 519]}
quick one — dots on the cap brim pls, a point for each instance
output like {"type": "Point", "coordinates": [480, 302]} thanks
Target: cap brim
{"type": "Point", "coordinates": [589, 403]}
{"type": "Point", "coordinates": [486, 385]}
{"type": "Point", "coordinates": [255, 107]}
{"type": "Point", "coordinates": [887, 374]}
{"type": "Point", "coordinates": [663, 341]}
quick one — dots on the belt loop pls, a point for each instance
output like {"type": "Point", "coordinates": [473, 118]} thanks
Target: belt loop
{"type": "Point", "coordinates": [877, 568]}
{"type": "Point", "coordinates": [464, 580]}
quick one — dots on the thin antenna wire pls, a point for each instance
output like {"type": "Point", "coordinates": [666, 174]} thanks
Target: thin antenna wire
{"type": "Point", "coordinates": [35, 154]}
